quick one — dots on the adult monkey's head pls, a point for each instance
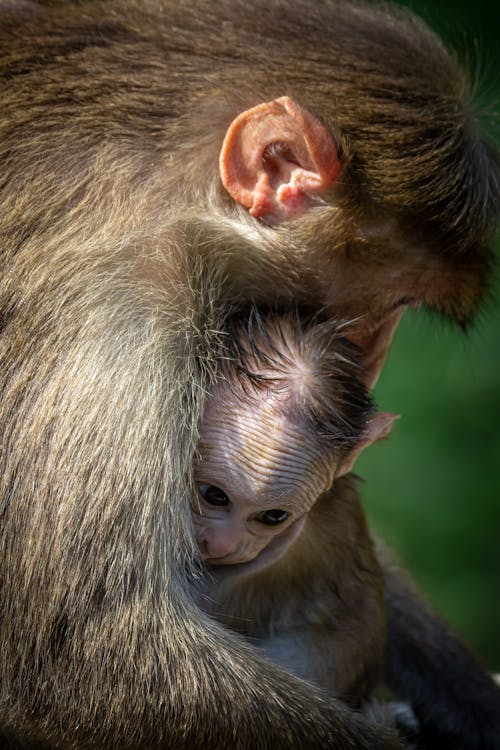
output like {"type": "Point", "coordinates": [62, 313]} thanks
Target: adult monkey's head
{"type": "Point", "coordinates": [395, 197]}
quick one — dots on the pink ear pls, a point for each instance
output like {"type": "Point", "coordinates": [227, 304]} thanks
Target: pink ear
{"type": "Point", "coordinates": [274, 155]}
{"type": "Point", "coordinates": [378, 428]}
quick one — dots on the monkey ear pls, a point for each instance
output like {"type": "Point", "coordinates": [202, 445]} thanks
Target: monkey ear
{"type": "Point", "coordinates": [274, 156]}
{"type": "Point", "coordinates": [378, 428]}
{"type": "Point", "coordinates": [374, 345]}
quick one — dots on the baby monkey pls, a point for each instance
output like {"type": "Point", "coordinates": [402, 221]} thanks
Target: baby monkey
{"type": "Point", "coordinates": [279, 524]}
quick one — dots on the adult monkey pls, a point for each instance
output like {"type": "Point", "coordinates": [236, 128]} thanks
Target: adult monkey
{"type": "Point", "coordinates": [122, 255]}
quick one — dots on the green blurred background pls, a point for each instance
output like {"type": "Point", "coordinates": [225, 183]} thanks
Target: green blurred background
{"type": "Point", "coordinates": [433, 489]}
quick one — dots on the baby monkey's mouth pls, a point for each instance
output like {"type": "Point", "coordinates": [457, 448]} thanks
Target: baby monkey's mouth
{"type": "Point", "coordinates": [269, 555]}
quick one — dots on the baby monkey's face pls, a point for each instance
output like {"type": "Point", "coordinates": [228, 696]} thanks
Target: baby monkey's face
{"type": "Point", "coordinates": [258, 473]}
{"type": "Point", "coordinates": [269, 448]}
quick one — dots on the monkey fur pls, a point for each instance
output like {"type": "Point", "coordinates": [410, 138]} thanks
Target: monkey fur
{"type": "Point", "coordinates": [121, 257]}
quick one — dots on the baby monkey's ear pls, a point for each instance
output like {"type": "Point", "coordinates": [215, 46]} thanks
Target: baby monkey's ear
{"type": "Point", "coordinates": [378, 428]}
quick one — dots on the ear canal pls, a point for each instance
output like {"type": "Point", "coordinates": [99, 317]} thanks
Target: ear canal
{"type": "Point", "coordinates": [276, 155]}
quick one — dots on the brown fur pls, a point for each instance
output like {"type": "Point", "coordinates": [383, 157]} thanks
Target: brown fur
{"type": "Point", "coordinates": [121, 256]}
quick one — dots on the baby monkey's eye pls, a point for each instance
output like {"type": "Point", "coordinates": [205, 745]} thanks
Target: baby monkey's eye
{"type": "Point", "coordinates": [273, 517]}
{"type": "Point", "coordinates": [213, 495]}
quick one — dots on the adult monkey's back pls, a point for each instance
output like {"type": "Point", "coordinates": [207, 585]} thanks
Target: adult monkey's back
{"type": "Point", "coordinates": [121, 255]}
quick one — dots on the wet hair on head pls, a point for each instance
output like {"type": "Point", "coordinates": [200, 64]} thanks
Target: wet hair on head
{"type": "Point", "coordinates": [308, 363]}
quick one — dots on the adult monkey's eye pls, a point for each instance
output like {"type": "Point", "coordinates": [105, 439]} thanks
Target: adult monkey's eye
{"type": "Point", "coordinates": [213, 495]}
{"type": "Point", "coordinates": [273, 517]}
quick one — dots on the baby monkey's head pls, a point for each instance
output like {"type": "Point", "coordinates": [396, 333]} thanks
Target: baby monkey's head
{"type": "Point", "coordinates": [287, 415]}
